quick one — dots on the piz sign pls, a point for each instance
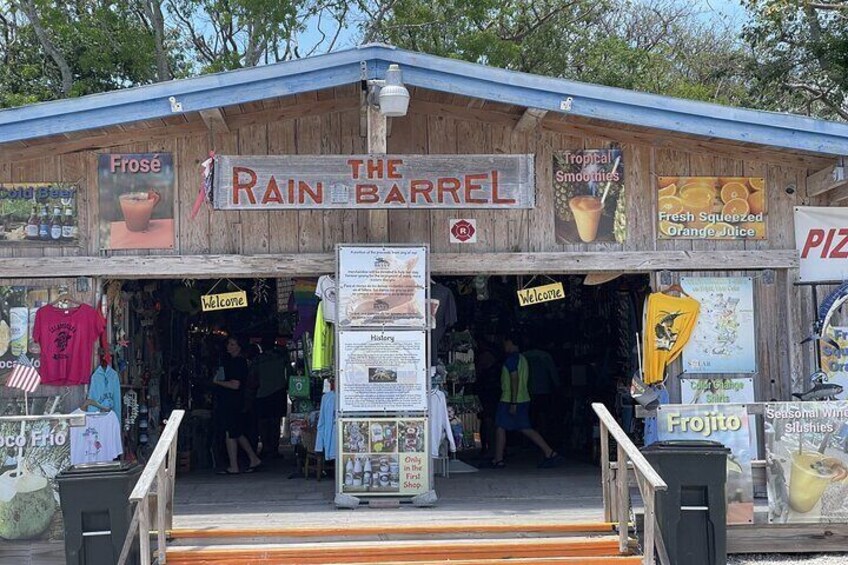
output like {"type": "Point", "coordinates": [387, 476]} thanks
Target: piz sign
{"type": "Point", "coordinates": [463, 231]}
{"type": "Point", "coordinates": [283, 182]}
{"type": "Point", "coordinates": [821, 236]}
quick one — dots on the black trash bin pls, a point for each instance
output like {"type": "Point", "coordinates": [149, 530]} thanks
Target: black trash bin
{"type": "Point", "coordinates": [97, 512]}
{"type": "Point", "coordinates": [692, 513]}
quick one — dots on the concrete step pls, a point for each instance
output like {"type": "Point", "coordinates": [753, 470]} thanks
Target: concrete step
{"type": "Point", "coordinates": [401, 552]}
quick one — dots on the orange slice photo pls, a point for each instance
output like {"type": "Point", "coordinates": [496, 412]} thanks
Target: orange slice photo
{"type": "Point", "coordinates": [757, 183]}
{"type": "Point", "coordinates": [736, 207]}
{"type": "Point", "coordinates": [732, 191]}
{"type": "Point", "coordinates": [756, 202]}
{"type": "Point", "coordinates": [669, 190]}
{"type": "Point", "coordinates": [670, 205]}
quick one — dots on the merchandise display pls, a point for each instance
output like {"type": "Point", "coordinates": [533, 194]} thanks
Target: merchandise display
{"type": "Point", "coordinates": [99, 440]}
{"type": "Point", "coordinates": [67, 338]}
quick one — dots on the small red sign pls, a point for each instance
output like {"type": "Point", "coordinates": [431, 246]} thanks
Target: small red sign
{"type": "Point", "coordinates": [463, 231]}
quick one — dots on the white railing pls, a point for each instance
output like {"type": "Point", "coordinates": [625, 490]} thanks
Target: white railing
{"type": "Point", "coordinates": [159, 471]}
{"type": "Point", "coordinates": [617, 505]}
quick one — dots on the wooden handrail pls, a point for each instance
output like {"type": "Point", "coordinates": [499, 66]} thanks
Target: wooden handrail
{"type": "Point", "coordinates": [633, 453]}
{"type": "Point", "coordinates": [617, 501]}
{"type": "Point", "coordinates": [163, 446]}
{"type": "Point", "coordinates": [159, 470]}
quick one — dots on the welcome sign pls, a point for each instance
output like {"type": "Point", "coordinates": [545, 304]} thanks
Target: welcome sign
{"type": "Point", "coordinates": [224, 301]}
{"type": "Point", "coordinates": [539, 294]}
{"type": "Point", "coordinates": [283, 182]}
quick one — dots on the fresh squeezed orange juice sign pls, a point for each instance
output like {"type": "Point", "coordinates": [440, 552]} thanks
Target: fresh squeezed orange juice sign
{"type": "Point", "coordinates": [711, 208]}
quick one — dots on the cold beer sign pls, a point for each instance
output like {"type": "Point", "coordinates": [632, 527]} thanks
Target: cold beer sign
{"type": "Point", "coordinates": [283, 182]}
{"type": "Point", "coordinates": [821, 236]}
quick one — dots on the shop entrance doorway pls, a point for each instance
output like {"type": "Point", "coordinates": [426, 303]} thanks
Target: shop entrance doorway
{"type": "Point", "coordinates": [586, 341]}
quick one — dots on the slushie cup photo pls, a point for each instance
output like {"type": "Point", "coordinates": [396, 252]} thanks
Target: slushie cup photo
{"type": "Point", "coordinates": [811, 474]}
{"type": "Point", "coordinates": [137, 208]}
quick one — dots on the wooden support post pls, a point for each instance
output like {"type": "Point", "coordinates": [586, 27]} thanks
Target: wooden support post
{"type": "Point", "coordinates": [215, 120]}
{"type": "Point", "coordinates": [144, 530]}
{"type": "Point", "coordinates": [172, 472]}
{"type": "Point", "coordinates": [623, 500]}
{"type": "Point", "coordinates": [650, 527]}
{"type": "Point", "coordinates": [530, 120]}
{"type": "Point", "coordinates": [605, 473]}
{"type": "Point", "coordinates": [162, 497]}
{"type": "Point", "coordinates": [378, 220]}
{"type": "Point", "coordinates": [827, 179]}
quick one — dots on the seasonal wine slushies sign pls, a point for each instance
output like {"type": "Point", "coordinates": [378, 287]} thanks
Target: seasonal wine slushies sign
{"type": "Point", "coordinates": [136, 200]}
{"type": "Point", "coordinates": [711, 208]}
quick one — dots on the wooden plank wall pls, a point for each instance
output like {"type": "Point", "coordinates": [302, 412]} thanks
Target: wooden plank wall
{"type": "Point", "coordinates": [431, 131]}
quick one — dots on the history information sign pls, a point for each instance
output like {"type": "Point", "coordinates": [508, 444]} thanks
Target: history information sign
{"type": "Point", "coordinates": [382, 371]}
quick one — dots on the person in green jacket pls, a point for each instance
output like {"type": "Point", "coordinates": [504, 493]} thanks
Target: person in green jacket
{"type": "Point", "coordinates": [514, 408]}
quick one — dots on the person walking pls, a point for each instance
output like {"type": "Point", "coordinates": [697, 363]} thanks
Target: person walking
{"type": "Point", "coordinates": [231, 410]}
{"type": "Point", "coordinates": [513, 412]}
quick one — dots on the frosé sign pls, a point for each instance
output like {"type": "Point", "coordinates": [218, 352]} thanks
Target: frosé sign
{"type": "Point", "coordinates": [369, 181]}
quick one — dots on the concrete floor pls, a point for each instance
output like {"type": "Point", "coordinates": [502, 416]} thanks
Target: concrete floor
{"type": "Point", "coordinates": [520, 493]}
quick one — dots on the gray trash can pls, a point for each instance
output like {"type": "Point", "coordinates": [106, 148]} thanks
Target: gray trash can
{"type": "Point", "coordinates": [692, 513]}
{"type": "Point", "coordinates": [97, 512]}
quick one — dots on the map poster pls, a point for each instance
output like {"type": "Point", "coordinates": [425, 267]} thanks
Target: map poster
{"type": "Point", "coordinates": [589, 196]}
{"type": "Point", "coordinates": [382, 286]}
{"type": "Point", "coordinates": [806, 462]}
{"type": "Point", "coordinates": [382, 371]}
{"type": "Point", "coordinates": [728, 425]}
{"type": "Point", "coordinates": [724, 340]}
{"type": "Point", "coordinates": [834, 358]}
{"type": "Point", "coordinates": [383, 456]}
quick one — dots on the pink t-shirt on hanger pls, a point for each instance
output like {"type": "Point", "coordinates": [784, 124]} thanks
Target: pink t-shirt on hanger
{"type": "Point", "coordinates": [67, 339]}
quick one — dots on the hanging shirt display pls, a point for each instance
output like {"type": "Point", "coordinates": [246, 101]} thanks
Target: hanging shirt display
{"type": "Point", "coordinates": [322, 345]}
{"type": "Point", "coordinates": [99, 440]}
{"type": "Point", "coordinates": [326, 291]}
{"type": "Point", "coordinates": [105, 389]}
{"type": "Point", "coordinates": [445, 306]}
{"type": "Point", "coordinates": [326, 438]}
{"type": "Point", "coordinates": [67, 340]}
{"type": "Point", "coordinates": [669, 322]}
{"type": "Point", "coordinates": [440, 426]}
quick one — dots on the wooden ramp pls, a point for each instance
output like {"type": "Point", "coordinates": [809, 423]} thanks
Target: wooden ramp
{"type": "Point", "coordinates": [593, 543]}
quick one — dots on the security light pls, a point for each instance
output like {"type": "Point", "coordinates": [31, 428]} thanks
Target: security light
{"type": "Point", "coordinates": [391, 95]}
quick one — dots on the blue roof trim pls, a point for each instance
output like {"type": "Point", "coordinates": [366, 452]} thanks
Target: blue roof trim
{"type": "Point", "coordinates": [436, 73]}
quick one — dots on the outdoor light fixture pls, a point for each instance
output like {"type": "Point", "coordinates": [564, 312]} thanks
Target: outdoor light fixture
{"type": "Point", "coordinates": [390, 95]}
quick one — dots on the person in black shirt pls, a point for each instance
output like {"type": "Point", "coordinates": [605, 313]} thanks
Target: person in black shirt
{"type": "Point", "coordinates": [231, 408]}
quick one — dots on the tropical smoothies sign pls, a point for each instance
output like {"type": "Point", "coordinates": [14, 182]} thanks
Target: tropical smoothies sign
{"type": "Point", "coordinates": [807, 465]}
{"type": "Point", "coordinates": [136, 200]}
{"type": "Point", "coordinates": [38, 213]}
{"type": "Point", "coordinates": [589, 196]}
{"type": "Point", "coordinates": [711, 208]}
{"type": "Point", "coordinates": [728, 425]}
{"type": "Point", "coordinates": [280, 182]}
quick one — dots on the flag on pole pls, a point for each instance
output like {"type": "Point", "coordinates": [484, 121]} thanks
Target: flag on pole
{"type": "Point", "coordinates": [24, 376]}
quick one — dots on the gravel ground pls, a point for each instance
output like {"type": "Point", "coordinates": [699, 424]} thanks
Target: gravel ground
{"type": "Point", "coordinates": [804, 558]}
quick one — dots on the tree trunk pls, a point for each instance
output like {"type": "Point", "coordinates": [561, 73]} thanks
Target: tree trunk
{"type": "Point", "coordinates": [67, 76]}
{"type": "Point", "coordinates": [153, 12]}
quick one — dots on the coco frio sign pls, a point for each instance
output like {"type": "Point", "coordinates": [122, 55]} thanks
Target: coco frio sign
{"type": "Point", "coordinates": [821, 237]}
{"type": "Point", "coordinates": [370, 181]}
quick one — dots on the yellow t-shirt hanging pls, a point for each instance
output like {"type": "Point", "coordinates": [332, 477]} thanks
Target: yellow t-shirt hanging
{"type": "Point", "coordinates": [669, 322]}
{"type": "Point", "coordinates": [322, 347]}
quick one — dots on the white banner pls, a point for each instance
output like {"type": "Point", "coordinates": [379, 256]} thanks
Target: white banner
{"type": "Point", "coordinates": [821, 237]}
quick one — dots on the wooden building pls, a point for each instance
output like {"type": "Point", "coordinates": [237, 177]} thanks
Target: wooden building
{"type": "Point", "coordinates": [315, 107]}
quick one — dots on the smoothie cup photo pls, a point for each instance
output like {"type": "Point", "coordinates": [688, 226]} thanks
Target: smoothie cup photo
{"type": "Point", "coordinates": [587, 211]}
{"type": "Point", "coordinates": [137, 208]}
{"type": "Point", "coordinates": [811, 474]}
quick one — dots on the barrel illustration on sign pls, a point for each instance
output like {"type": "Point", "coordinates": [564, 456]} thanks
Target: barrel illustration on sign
{"type": "Point", "coordinates": [282, 182]}
{"type": "Point", "coordinates": [589, 196]}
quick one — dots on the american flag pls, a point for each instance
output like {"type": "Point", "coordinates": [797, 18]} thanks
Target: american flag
{"type": "Point", "coordinates": [24, 376]}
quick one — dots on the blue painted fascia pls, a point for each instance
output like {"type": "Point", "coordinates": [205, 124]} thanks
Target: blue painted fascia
{"type": "Point", "coordinates": [436, 73]}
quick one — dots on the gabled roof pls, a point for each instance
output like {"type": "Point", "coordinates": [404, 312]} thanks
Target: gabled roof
{"type": "Point", "coordinates": [427, 71]}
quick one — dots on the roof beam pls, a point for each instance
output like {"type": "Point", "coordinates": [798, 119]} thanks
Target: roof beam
{"type": "Point", "coordinates": [530, 120]}
{"type": "Point", "coordinates": [215, 120]}
{"type": "Point", "coordinates": [827, 179]}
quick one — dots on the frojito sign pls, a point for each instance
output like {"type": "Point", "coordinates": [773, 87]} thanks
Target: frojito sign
{"type": "Point", "coordinates": [711, 208]}
{"type": "Point", "coordinates": [368, 181]}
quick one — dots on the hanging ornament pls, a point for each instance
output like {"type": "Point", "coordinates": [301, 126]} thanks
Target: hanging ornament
{"type": "Point", "coordinates": [260, 290]}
